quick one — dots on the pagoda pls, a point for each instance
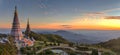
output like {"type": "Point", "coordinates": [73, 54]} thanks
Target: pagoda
{"type": "Point", "coordinates": [16, 31]}
{"type": "Point", "coordinates": [28, 30]}
{"type": "Point", "coordinates": [20, 39]}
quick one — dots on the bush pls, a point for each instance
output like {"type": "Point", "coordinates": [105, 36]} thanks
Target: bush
{"type": "Point", "coordinates": [107, 53]}
{"type": "Point", "coordinates": [94, 52]}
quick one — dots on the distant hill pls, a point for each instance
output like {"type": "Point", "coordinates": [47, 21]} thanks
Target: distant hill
{"type": "Point", "coordinates": [73, 37]}
{"type": "Point", "coordinates": [86, 36]}
{"type": "Point", "coordinates": [113, 44]}
{"type": "Point", "coordinates": [91, 35]}
{"type": "Point", "coordinates": [48, 37]}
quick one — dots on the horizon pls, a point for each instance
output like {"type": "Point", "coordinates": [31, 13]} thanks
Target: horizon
{"type": "Point", "coordinates": [8, 30]}
{"type": "Point", "coordinates": [73, 15]}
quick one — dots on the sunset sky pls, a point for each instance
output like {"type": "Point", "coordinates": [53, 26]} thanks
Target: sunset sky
{"type": "Point", "coordinates": [63, 14]}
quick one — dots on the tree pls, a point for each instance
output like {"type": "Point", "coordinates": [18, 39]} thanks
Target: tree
{"type": "Point", "coordinates": [5, 52]}
{"type": "Point", "coordinates": [94, 52]}
{"type": "Point", "coordinates": [71, 44]}
{"type": "Point", "coordinates": [58, 44]}
{"type": "Point", "coordinates": [8, 48]}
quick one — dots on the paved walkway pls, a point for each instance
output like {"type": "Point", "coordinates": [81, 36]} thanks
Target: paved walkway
{"type": "Point", "coordinates": [56, 47]}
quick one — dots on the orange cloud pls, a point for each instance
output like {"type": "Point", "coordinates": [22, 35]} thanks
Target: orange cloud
{"type": "Point", "coordinates": [112, 17]}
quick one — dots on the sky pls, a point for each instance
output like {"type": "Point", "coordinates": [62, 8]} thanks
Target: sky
{"type": "Point", "coordinates": [62, 14]}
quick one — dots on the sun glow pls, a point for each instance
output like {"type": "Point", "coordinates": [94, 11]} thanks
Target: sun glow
{"type": "Point", "coordinates": [79, 23]}
{"type": "Point", "coordinates": [110, 22]}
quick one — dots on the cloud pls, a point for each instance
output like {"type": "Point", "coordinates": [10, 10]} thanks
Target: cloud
{"type": "Point", "coordinates": [66, 26]}
{"type": "Point", "coordinates": [100, 13]}
{"type": "Point", "coordinates": [95, 14]}
{"type": "Point", "coordinates": [90, 15]}
{"type": "Point", "coordinates": [110, 10]}
{"type": "Point", "coordinates": [112, 17]}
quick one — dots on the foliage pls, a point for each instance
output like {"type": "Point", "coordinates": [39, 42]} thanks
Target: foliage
{"type": "Point", "coordinates": [113, 44]}
{"type": "Point", "coordinates": [48, 37]}
{"type": "Point", "coordinates": [83, 48]}
{"type": "Point", "coordinates": [94, 52]}
{"type": "Point", "coordinates": [107, 53]}
{"type": "Point", "coordinates": [47, 52]}
{"type": "Point", "coordinates": [70, 52]}
{"type": "Point", "coordinates": [3, 35]}
{"type": "Point", "coordinates": [8, 48]}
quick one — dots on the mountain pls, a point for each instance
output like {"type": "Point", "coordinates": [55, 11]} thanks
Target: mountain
{"type": "Point", "coordinates": [85, 36]}
{"type": "Point", "coordinates": [94, 35]}
{"type": "Point", "coordinates": [48, 37]}
{"type": "Point", "coordinates": [73, 37]}
{"type": "Point", "coordinates": [101, 35]}
{"type": "Point", "coordinates": [113, 44]}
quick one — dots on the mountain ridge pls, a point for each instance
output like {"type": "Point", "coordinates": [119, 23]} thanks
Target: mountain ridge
{"type": "Point", "coordinates": [73, 37]}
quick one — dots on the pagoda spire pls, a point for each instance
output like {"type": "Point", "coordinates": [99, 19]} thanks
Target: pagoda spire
{"type": "Point", "coordinates": [16, 20]}
{"type": "Point", "coordinates": [16, 32]}
{"type": "Point", "coordinates": [28, 30]}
